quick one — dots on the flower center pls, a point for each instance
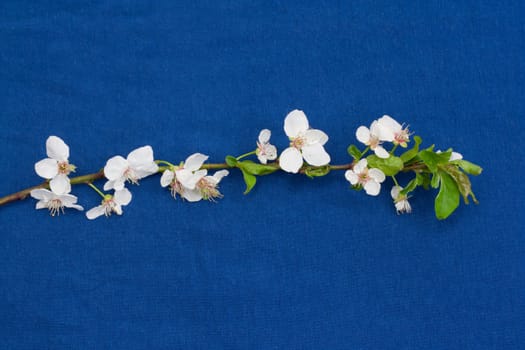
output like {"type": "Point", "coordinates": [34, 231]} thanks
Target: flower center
{"type": "Point", "coordinates": [297, 142]}
{"type": "Point", "coordinates": [109, 206]}
{"type": "Point", "coordinates": [65, 168]}
{"type": "Point", "coordinates": [374, 142]}
{"type": "Point", "coordinates": [55, 206]}
{"type": "Point", "coordinates": [176, 188]}
{"type": "Point", "coordinates": [363, 177]}
{"type": "Point", "coordinates": [208, 189]}
{"type": "Point", "coordinates": [130, 176]}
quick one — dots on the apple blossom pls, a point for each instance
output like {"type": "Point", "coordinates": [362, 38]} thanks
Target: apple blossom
{"type": "Point", "coordinates": [54, 202]}
{"type": "Point", "coordinates": [206, 188]}
{"type": "Point", "coordinates": [304, 143]}
{"type": "Point", "coordinates": [370, 179]}
{"type": "Point", "coordinates": [110, 204]}
{"type": "Point", "coordinates": [372, 138]}
{"type": "Point", "coordinates": [56, 167]}
{"type": "Point", "coordinates": [137, 165]}
{"type": "Point", "coordinates": [394, 132]}
{"type": "Point", "coordinates": [265, 151]}
{"type": "Point", "coordinates": [400, 200]}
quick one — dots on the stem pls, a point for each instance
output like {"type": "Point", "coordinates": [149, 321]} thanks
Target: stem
{"type": "Point", "coordinates": [245, 155]}
{"type": "Point", "coordinates": [96, 189]}
{"type": "Point", "coordinates": [89, 178]}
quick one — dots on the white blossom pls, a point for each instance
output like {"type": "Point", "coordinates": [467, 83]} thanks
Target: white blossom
{"type": "Point", "coordinates": [56, 167]}
{"type": "Point", "coordinates": [206, 188]}
{"type": "Point", "coordinates": [400, 200]}
{"type": "Point", "coordinates": [373, 138]}
{"type": "Point", "coordinates": [392, 131]}
{"type": "Point", "coordinates": [54, 202]}
{"type": "Point", "coordinates": [110, 204]}
{"type": "Point", "coordinates": [305, 143]}
{"type": "Point", "coordinates": [265, 151]}
{"type": "Point", "coordinates": [139, 164]}
{"type": "Point", "coordinates": [370, 179]}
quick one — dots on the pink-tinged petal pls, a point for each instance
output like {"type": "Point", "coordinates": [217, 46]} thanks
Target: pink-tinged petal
{"type": "Point", "coordinates": [122, 197]}
{"type": "Point", "coordinates": [47, 168]}
{"type": "Point", "coordinates": [315, 136]}
{"type": "Point", "coordinates": [372, 188]}
{"type": "Point", "coordinates": [315, 155]}
{"type": "Point", "coordinates": [166, 178]}
{"type": "Point", "coordinates": [395, 192]}
{"type": "Point", "coordinates": [291, 160]}
{"type": "Point", "coordinates": [57, 149]}
{"type": "Point", "coordinates": [219, 175]}
{"type": "Point", "coordinates": [95, 212]}
{"type": "Point", "coordinates": [192, 195]}
{"type": "Point", "coordinates": [40, 205]}
{"type": "Point", "coordinates": [264, 136]}
{"type": "Point", "coordinates": [295, 123]}
{"type": "Point", "coordinates": [381, 152]}
{"type": "Point", "coordinates": [60, 184]}
{"type": "Point", "coordinates": [360, 166]}
{"type": "Point", "coordinates": [115, 167]}
{"type": "Point", "coordinates": [363, 134]}
{"type": "Point", "coordinates": [376, 174]}
{"type": "Point", "coordinates": [42, 194]}
{"type": "Point", "coordinates": [140, 156]}
{"type": "Point", "coordinates": [351, 177]}
{"type": "Point", "coordinates": [195, 161]}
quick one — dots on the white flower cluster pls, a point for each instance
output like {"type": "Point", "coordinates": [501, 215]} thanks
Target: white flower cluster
{"type": "Point", "coordinates": [190, 179]}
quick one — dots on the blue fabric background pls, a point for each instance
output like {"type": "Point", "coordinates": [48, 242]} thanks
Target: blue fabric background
{"type": "Point", "coordinates": [298, 263]}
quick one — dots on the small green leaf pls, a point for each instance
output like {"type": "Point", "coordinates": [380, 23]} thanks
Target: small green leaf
{"type": "Point", "coordinates": [390, 166]}
{"type": "Point", "coordinates": [468, 167]}
{"type": "Point", "coordinates": [423, 179]}
{"type": "Point", "coordinates": [411, 186]}
{"type": "Point", "coordinates": [250, 181]}
{"type": "Point", "coordinates": [433, 159]}
{"type": "Point", "coordinates": [257, 169]}
{"type": "Point", "coordinates": [354, 152]}
{"type": "Point", "coordinates": [434, 183]}
{"type": "Point", "coordinates": [411, 153]}
{"type": "Point", "coordinates": [447, 199]}
{"type": "Point", "coordinates": [462, 181]}
{"type": "Point", "coordinates": [316, 171]}
{"type": "Point", "coordinates": [231, 161]}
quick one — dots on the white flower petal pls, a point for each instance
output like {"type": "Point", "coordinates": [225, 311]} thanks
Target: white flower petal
{"type": "Point", "coordinates": [118, 184]}
{"type": "Point", "coordinates": [376, 174]}
{"type": "Point", "coordinates": [140, 157]}
{"type": "Point", "coordinates": [351, 177]}
{"type": "Point", "coordinates": [40, 205]}
{"type": "Point", "coordinates": [315, 136]}
{"type": "Point", "coordinates": [166, 178]}
{"type": "Point", "coordinates": [76, 206]}
{"type": "Point", "coordinates": [372, 188]}
{"type": "Point", "coordinates": [395, 192]}
{"type": "Point", "coordinates": [189, 179]}
{"type": "Point", "coordinates": [109, 185]}
{"type": "Point", "coordinates": [146, 170]}
{"type": "Point", "coordinates": [60, 184]}
{"type": "Point", "coordinates": [455, 156]}
{"type": "Point", "coordinates": [68, 199]}
{"type": "Point", "coordinates": [115, 167]}
{"type": "Point", "coordinates": [315, 154]}
{"type": "Point", "coordinates": [47, 168]}
{"type": "Point", "coordinates": [192, 195]}
{"type": "Point", "coordinates": [271, 152]}
{"type": "Point", "coordinates": [291, 160]}
{"type": "Point", "coordinates": [117, 209]}
{"type": "Point", "coordinates": [390, 123]}
{"type": "Point", "coordinates": [295, 123]}
{"type": "Point", "coordinates": [360, 166]}
{"type": "Point", "coordinates": [122, 197]}
{"type": "Point", "coordinates": [57, 149]}
{"type": "Point", "coordinates": [42, 194]}
{"type": "Point", "coordinates": [195, 161]}
{"type": "Point", "coordinates": [95, 212]}
{"type": "Point", "coordinates": [264, 135]}
{"type": "Point", "coordinates": [381, 152]}
{"type": "Point", "coordinates": [363, 134]}
{"type": "Point", "coordinates": [220, 174]}
{"type": "Point", "coordinates": [262, 158]}
{"type": "Point", "coordinates": [382, 132]}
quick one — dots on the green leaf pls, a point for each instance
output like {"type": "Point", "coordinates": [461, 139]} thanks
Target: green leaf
{"type": "Point", "coordinates": [468, 167]}
{"type": "Point", "coordinates": [423, 179]}
{"type": "Point", "coordinates": [256, 169]}
{"type": "Point", "coordinates": [434, 183]}
{"type": "Point", "coordinates": [316, 171]}
{"type": "Point", "coordinates": [231, 161]}
{"type": "Point", "coordinates": [462, 181]}
{"type": "Point", "coordinates": [433, 159]}
{"type": "Point", "coordinates": [250, 181]}
{"type": "Point", "coordinates": [447, 199]}
{"type": "Point", "coordinates": [354, 152]}
{"type": "Point", "coordinates": [411, 153]}
{"type": "Point", "coordinates": [390, 166]}
{"type": "Point", "coordinates": [410, 186]}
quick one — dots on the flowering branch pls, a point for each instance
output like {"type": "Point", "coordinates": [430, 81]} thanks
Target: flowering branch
{"type": "Point", "coordinates": [305, 155]}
